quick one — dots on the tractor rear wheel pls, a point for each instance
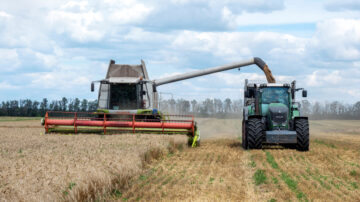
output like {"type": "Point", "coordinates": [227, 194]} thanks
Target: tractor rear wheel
{"type": "Point", "coordinates": [254, 133]}
{"type": "Point", "coordinates": [244, 142]}
{"type": "Point", "coordinates": [302, 131]}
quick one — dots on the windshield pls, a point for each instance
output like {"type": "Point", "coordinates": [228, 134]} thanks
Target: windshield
{"type": "Point", "coordinates": [275, 95]}
{"type": "Point", "coordinates": [123, 96]}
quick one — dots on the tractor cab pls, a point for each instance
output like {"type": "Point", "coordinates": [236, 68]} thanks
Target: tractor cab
{"type": "Point", "coordinates": [275, 104]}
{"type": "Point", "coordinates": [275, 94]}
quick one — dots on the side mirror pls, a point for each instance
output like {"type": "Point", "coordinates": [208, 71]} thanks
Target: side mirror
{"type": "Point", "coordinates": [92, 87]}
{"type": "Point", "coordinates": [304, 93]}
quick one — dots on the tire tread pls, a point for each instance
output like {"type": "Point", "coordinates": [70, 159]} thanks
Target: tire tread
{"type": "Point", "coordinates": [255, 133]}
{"type": "Point", "coordinates": [302, 131]}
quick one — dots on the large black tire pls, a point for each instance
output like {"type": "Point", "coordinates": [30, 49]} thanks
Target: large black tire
{"type": "Point", "coordinates": [254, 133]}
{"type": "Point", "coordinates": [302, 131]}
{"type": "Point", "coordinates": [244, 142]}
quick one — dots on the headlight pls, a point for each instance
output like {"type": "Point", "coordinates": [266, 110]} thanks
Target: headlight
{"type": "Point", "coordinates": [279, 124]}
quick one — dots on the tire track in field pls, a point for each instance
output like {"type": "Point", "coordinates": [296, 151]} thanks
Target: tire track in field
{"type": "Point", "coordinates": [316, 175]}
{"type": "Point", "coordinates": [220, 170]}
{"type": "Point", "coordinates": [217, 170]}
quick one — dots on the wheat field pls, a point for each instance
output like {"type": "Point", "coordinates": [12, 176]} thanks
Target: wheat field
{"type": "Point", "coordinates": [38, 167]}
{"type": "Point", "coordinates": [220, 170]}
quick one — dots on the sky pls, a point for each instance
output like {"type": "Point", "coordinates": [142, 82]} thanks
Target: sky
{"type": "Point", "coordinates": [55, 48]}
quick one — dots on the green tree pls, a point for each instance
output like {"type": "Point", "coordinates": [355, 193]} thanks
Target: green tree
{"type": "Point", "coordinates": [43, 106]}
{"type": "Point", "coordinates": [84, 105]}
{"type": "Point", "coordinates": [63, 103]}
{"type": "Point", "coordinates": [76, 104]}
{"type": "Point", "coordinates": [227, 105]}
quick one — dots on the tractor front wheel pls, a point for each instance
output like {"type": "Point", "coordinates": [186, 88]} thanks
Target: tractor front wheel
{"type": "Point", "coordinates": [302, 131]}
{"type": "Point", "coordinates": [254, 133]}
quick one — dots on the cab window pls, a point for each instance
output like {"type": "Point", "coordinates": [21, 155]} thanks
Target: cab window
{"type": "Point", "coordinates": [275, 95]}
{"type": "Point", "coordinates": [123, 96]}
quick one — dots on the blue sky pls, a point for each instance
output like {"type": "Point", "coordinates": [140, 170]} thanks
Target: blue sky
{"type": "Point", "coordinates": [56, 48]}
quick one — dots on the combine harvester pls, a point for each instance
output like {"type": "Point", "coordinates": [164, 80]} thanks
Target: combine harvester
{"type": "Point", "coordinates": [128, 100]}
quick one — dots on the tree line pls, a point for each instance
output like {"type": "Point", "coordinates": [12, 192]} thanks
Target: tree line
{"type": "Point", "coordinates": [226, 108]}
{"type": "Point", "coordinates": [233, 108]}
{"type": "Point", "coordinates": [34, 108]}
{"type": "Point", "coordinates": [330, 110]}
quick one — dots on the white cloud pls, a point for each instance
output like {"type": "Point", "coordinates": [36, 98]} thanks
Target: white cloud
{"type": "Point", "coordinates": [295, 12]}
{"type": "Point", "coordinates": [9, 60]}
{"type": "Point", "coordinates": [81, 5]}
{"type": "Point", "coordinates": [237, 6]}
{"type": "Point", "coordinates": [338, 39]}
{"type": "Point", "coordinates": [82, 26]}
{"type": "Point", "coordinates": [353, 92]}
{"type": "Point", "coordinates": [204, 14]}
{"type": "Point", "coordinates": [236, 45]}
{"type": "Point", "coordinates": [334, 39]}
{"type": "Point", "coordinates": [341, 5]}
{"type": "Point", "coordinates": [57, 80]}
{"type": "Point", "coordinates": [29, 59]}
{"type": "Point", "coordinates": [323, 78]}
{"type": "Point", "coordinates": [7, 86]}
{"type": "Point", "coordinates": [5, 15]}
{"type": "Point", "coordinates": [140, 35]}
{"type": "Point", "coordinates": [85, 21]}
{"type": "Point", "coordinates": [47, 59]}
{"type": "Point", "coordinates": [43, 38]}
{"type": "Point", "coordinates": [126, 14]}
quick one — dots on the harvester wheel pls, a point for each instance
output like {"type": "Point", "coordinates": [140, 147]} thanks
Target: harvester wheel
{"type": "Point", "coordinates": [302, 131]}
{"type": "Point", "coordinates": [244, 142]}
{"type": "Point", "coordinates": [255, 133]}
{"type": "Point", "coordinates": [190, 141]}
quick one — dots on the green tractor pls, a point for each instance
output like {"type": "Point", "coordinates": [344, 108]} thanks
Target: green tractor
{"type": "Point", "coordinates": [272, 116]}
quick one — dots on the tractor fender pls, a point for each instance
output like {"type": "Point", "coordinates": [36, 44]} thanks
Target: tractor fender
{"type": "Point", "coordinates": [301, 117]}
{"type": "Point", "coordinates": [292, 122]}
{"type": "Point", "coordinates": [262, 118]}
{"type": "Point", "coordinates": [254, 116]}
{"type": "Point", "coordinates": [246, 115]}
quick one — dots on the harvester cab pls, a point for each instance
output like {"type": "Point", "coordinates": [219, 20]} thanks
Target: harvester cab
{"type": "Point", "coordinates": [126, 88]}
{"type": "Point", "coordinates": [271, 115]}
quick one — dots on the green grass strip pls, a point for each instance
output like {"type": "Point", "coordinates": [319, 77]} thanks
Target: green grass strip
{"type": "Point", "coordinates": [260, 177]}
{"type": "Point", "coordinates": [330, 145]}
{"type": "Point", "coordinates": [270, 159]}
{"type": "Point", "coordinates": [290, 182]}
